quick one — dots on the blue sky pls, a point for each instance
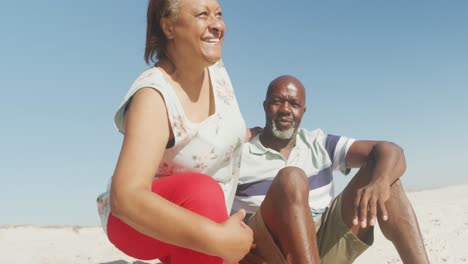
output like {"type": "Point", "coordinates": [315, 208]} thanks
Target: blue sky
{"type": "Point", "coordinates": [393, 70]}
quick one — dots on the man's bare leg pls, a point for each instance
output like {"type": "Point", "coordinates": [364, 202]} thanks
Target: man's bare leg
{"type": "Point", "coordinates": [401, 228]}
{"type": "Point", "coordinates": [286, 213]}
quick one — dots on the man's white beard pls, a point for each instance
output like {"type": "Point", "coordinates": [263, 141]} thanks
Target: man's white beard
{"type": "Point", "coordinates": [285, 134]}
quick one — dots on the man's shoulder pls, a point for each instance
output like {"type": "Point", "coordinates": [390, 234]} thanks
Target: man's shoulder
{"type": "Point", "coordinates": [311, 136]}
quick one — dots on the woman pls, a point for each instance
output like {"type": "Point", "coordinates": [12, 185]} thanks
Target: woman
{"type": "Point", "coordinates": [175, 178]}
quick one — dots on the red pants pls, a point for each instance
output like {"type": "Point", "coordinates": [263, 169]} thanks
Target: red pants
{"type": "Point", "coordinates": [196, 192]}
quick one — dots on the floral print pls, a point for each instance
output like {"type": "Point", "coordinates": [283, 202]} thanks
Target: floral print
{"type": "Point", "coordinates": [225, 92]}
{"type": "Point", "coordinates": [234, 147]}
{"type": "Point", "coordinates": [103, 201]}
{"type": "Point", "coordinates": [201, 161]}
{"type": "Point", "coordinates": [217, 122]}
{"type": "Point", "coordinates": [179, 126]}
{"type": "Point", "coordinates": [145, 76]}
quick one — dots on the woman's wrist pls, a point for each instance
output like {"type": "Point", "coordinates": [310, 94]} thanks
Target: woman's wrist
{"type": "Point", "coordinates": [210, 239]}
{"type": "Point", "coordinates": [217, 240]}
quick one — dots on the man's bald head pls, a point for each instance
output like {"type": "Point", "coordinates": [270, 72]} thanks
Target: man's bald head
{"type": "Point", "coordinates": [285, 81]}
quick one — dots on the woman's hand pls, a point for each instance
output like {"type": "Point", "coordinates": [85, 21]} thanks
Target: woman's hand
{"type": "Point", "coordinates": [236, 238]}
{"type": "Point", "coordinates": [252, 132]}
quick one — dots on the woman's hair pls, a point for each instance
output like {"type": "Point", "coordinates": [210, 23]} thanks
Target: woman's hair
{"type": "Point", "coordinates": [155, 39]}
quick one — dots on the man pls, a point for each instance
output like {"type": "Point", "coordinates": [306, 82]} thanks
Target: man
{"type": "Point", "coordinates": [286, 173]}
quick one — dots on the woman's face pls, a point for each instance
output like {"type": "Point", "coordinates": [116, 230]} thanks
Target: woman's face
{"type": "Point", "coordinates": [198, 31]}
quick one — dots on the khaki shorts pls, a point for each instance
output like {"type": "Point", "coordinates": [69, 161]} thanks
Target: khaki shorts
{"type": "Point", "coordinates": [337, 244]}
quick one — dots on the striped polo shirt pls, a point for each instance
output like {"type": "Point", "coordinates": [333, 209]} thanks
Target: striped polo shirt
{"type": "Point", "coordinates": [318, 154]}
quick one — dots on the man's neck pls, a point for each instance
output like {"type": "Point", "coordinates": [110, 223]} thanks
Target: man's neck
{"type": "Point", "coordinates": [283, 146]}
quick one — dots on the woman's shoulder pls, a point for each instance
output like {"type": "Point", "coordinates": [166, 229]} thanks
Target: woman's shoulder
{"type": "Point", "coordinates": [151, 77]}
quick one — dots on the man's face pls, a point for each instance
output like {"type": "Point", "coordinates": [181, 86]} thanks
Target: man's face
{"type": "Point", "coordinates": [284, 107]}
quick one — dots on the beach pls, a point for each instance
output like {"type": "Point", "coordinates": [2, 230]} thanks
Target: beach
{"type": "Point", "coordinates": [442, 214]}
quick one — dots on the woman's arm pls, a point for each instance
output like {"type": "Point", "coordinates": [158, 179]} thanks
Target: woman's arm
{"type": "Point", "coordinates": [146, 136]}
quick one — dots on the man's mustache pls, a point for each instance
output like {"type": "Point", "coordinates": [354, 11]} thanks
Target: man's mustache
{"type": "Point", "coordinates": [283, 118]}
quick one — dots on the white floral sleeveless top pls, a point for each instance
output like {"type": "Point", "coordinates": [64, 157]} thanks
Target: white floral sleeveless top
{"type": "Point", "coordinates": [212, 147]}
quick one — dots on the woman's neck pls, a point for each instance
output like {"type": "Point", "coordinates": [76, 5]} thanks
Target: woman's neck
{"type": "Point", "coordinates": [189, 76]}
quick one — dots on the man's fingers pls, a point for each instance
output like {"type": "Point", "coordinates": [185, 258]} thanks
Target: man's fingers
{"type": "Point", "coordinates": [363, 210]}
{"type": "Point", "coordinates": [383, 211]}
{"type": "Point", "coordinates": [357, 201]}
{"type": "Point", "coordinates": [372, 211]}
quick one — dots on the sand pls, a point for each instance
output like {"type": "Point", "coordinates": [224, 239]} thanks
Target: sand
{"type": "Point", "coordinates": [442, 213]}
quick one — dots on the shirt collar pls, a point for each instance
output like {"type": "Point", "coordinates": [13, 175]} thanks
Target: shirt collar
{"type": "Point", "coordinates": [256, 146]}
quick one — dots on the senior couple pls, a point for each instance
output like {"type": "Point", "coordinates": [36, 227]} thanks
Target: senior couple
{"type": "Point", "coordinates": [187, 160]}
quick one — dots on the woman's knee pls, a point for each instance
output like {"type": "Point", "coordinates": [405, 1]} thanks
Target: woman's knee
{"type": "Point", "coordinates": [203, 195]}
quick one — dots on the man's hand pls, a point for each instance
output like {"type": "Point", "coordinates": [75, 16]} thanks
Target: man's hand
{"type": "Point", "coordinates": [252, 258]}
{"type": "Point", "coordinates": [370, 199]}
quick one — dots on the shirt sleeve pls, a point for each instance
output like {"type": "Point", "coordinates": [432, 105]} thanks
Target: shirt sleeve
{"type": "Point", "coordinates": [337, 148]}
{"type": "Point", "coordinates": [150, 78]}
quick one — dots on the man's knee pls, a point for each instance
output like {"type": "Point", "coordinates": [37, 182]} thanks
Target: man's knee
{"type": "Point", "coordinates": [291, 184]}
{"type": "Point", "coordinates": [397, 190]}
{"type": "Point", "coordinates": [397, 185]}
